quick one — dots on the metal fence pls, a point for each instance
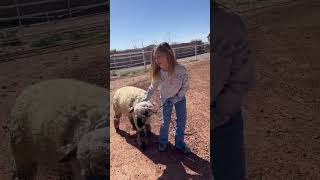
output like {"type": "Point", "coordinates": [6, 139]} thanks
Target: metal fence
{"type": "Point", "coordinates": [143, 58]}
{"type": "Point", "coordinates": [243, 6]}
{"type": "Point", "coordinates": [26, 13]}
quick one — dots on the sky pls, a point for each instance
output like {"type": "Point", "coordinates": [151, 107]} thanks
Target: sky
{"type": "Point", "coordinates": [134, 23]}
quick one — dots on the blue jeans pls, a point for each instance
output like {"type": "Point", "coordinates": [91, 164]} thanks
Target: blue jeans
{"type": "Point", "coordinates": [227, 150]}
{"type": "Point", "coordinates": [181, 112]}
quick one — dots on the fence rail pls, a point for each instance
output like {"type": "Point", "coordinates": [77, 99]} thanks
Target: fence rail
{"type": "Point", "coordinates": [133, 59]}
{"type": "Point", "coordinates": [46, 14]}
{"type": "Point", "coordinates": [27, 4]}
{"type": "Point", "coordinates": [38, 16]}
{"type": "Point", "coordinates": [245, 6]}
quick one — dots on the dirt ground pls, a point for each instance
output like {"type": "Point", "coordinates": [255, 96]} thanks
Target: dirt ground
{"type": "Point", "coordinates": [129, 162]}
{"type": "Point", "coordinates": [282, 112]}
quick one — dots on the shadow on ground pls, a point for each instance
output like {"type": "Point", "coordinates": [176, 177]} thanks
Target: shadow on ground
{"type": "Point", "coordinates": [173, 159]}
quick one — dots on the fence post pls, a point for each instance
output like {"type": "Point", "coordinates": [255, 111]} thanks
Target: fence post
{"type": "Point", "coordinates": [69, 8]}
{"type": "Point", "coordinates": [115, 63]}
{"type": "Point", "coordinates": [18, 12]}
{"type": "Point", "coordinates": [144, 61]}
{"type": "Point", "coordinates": [130, 60]}
{"type": "Point", "coordinates": [195, 50]}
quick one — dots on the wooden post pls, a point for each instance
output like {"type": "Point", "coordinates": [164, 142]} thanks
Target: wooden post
{"type": "Point", "coordinates": [18, 11]}
{"type": "Point", "coordinates": [69, 7]}
{"type": "Point", "coordinates": [195, 50]}
{"type": "Point", "coordinates": [144, 61]}
{"type": "Point", "coordinates": [115, 63]}
{"type": "Point", "coordinates": [130, 60]}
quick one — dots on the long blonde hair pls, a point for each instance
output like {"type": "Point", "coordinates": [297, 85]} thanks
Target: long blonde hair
{"type": "Point", "coordinates": [155, 69]}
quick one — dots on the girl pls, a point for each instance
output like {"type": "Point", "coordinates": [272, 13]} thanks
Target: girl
{"type": "Point", "coordinates": [172, 80]}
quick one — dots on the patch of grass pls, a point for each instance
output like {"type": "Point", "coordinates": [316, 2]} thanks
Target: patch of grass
{"type": "Point", "coordinates": [78, 36]}
{"type": "Point", "coordinates": [126, 73]}
{"type": "Point", "coordinates": [113, 73]}
{"type": "Point", "coordinates": [11, 39]}
{"type": "Point", "coordinates": [12, 42]}
{"type": "Point", "coordinates": [55, 39]}
{"type": "Point", "coordinates": [52, 40]}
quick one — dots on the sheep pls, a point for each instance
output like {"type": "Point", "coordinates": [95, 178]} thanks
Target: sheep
{"type": "Point", "coordinates": [91, 153]}
{"type": "Point", "coordinates": [50, 124]}
{"type": "Point", "coordinates": [130, 102]}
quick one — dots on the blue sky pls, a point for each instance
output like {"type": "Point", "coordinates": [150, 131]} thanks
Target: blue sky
{"type": "Point", "coordinates": [155, 21]}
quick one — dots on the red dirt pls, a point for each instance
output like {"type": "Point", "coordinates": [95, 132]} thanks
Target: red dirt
{"type": "Point", "coordinates": [129, 162]}
{"type": "Point", "coordinates": [282, 112]}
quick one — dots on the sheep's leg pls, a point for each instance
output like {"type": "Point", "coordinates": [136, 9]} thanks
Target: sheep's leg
{"type": "Point", "coordinates": [116, 121]}
{"type": "Point", "coordinates": [24, 170]}
{"type": "Point", "coordinates": [24, 166]}
{"type": "Point", "coordinates": [132, 123]}
{"type": "Point", "coordinates": [117, 116]}
{"type": "Point", "coordinates": [141, 139]}
{"type": "Point", "coordinates": [148, 127]}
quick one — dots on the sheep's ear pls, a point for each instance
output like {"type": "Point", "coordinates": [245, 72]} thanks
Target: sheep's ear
{"type": "Point", "coordinates": [68, 152]}
{"type": "Point", "coordinates": [131, 109]}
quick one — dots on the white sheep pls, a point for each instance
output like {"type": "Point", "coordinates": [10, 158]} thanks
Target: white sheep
{"type": "Point", "coordinates": [129, 101]}
{"type": "Point", "coordinates": [48, 122]}
{"type": "Point", "coordinates": [92, 153]}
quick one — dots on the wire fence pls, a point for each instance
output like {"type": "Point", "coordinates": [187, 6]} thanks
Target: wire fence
{"type": "Point", "coordinates": [28, 13]}
{"type": "Point", "coordinates": [30, 41]}
{"type": "Point", "coordinates": [143, 58]}
{"type": "Point", "coordinates": [244, 6]}
{"type": "Point", "coordinates": [60, 23]}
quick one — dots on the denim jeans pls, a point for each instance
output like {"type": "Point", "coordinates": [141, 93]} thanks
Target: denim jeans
{"type": "Point", "coordinates": [227, 150]}
{"type": "Point", "coordinates": [181, 112]}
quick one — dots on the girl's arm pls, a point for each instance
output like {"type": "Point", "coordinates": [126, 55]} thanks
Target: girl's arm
{"type": "Point", "coordinates": [151, 89]}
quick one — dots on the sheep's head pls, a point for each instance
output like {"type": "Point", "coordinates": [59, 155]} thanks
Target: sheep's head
{"type": "Point", "coordinates": [142, 112]}
{"type": "Point", "coordinates": [91, 152]}
{"type": "Point", "coordinates": [143, 109]}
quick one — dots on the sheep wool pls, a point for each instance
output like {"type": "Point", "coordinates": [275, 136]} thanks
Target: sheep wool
{"type": "Point", "coordinates": [127, 97]}
{"type": "Point", "coordinates": [49, 119]}
{"type": "Point", "coordinates": [130, 102]}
